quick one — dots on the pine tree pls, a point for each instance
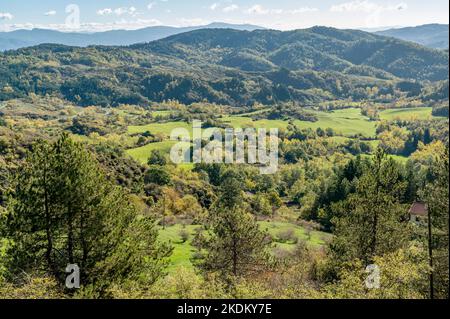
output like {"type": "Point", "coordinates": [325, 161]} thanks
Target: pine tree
{"type": "Point", "coordinates": [435, 196]}
{"type": "Point", "coordinates": [372, 221]}
{"type": "Point", "coordinates": [235, 246]}
{"type": "Point", "coordinates": [64, 211]}
{"type": "Point", "coordinates": [33, 220]}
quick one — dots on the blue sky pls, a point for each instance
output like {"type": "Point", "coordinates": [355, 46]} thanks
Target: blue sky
{"type": "Point", "coordinates": [103, 15]}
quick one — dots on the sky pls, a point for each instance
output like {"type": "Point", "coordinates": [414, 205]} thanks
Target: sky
{"type": "Point", "coordinates": [102, 15]}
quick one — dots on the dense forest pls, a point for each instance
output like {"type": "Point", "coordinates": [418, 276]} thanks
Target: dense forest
{"type": "Point", "coordinates": [227, 67]}
{"type": "Point", "coordinates": [86, 178]}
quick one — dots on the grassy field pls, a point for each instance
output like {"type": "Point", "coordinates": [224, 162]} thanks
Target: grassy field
{"type": "Point", "coordinates": [182, 253]}
{"type": "Point", "coordinates": [141, 154]}
{"type": "Point", "coordinates": [160, 128]}
{"type": "Point", "coordinates": [397, 158]}
{"type": "Point", "coordinates": [345, 122]}
{"type": "Point", "coordinates": [416, 113]}
{"type": "Point", "coordinates": [314, 239]}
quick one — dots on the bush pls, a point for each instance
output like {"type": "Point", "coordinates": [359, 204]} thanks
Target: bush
{"type": "Point", "coordinates": [281, 253]}
{"type": "Point", "coordinates": [287, 235]}
{"type": "Point", "coordinates": [157, 158]}
{"type": "Point", "coordinates": [157, 175]}
{"type": "Point", "coordinates": [184, 235]}
{"type": "Point", "coordinates": [32, 288]}
{"type": "Point", "coordinates": [197, 255]}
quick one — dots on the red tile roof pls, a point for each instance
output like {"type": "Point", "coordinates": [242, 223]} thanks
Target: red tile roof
{"type": "Point", "coordinates": [418, 209]}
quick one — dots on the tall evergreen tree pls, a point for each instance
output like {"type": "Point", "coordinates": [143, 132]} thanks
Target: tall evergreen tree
{"type": "Point", "coordinates": [372, 220]}
{"type": "Point", "coordinates": [436, 197]}
{"type": "Point", "coordinates": [64, 211]}
{"type": "Point", "coordinates": [235, 246]}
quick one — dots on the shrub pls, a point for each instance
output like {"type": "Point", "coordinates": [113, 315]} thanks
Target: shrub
{"type": "Point", "coordinates": [157, 158]}
{"type": "Point", "coordinates": [184, 235]}
{"type": "Point", "coordinates": [287, 235]}
{"type": "Point", "coordinates": [281, 253]}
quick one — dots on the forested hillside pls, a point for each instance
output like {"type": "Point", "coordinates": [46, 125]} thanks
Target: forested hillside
{"type": "Point", "coordinates": [359, 192]}
{"type": "Point", "coordinates": [224, 66]}
{"type": "Point", "coordinates": [24, 38]}
{"type": "Point", "coordinates": [430, 35]}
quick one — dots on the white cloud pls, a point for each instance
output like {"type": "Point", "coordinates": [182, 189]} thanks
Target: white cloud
{"type": "Point", "coordinates": [50, 13]}
{"type": "Point", "coordinates": [132, 11]}
{"type": "Point", "coordinates": [303, 10]}
{"type": "Point", "coordinates": [120, 11]}
{"type": "Point", "coordinates": [258, 9]}
{"type": "Point", "coordinates": [124, 10]}
{"type": "Point", "coordinates": [226, 5]}
{"type": "Point", "coordinates": [366, 6]}
{"type": "Point", "coordinates": [375, 14]}
{"type": "Point", "coordinates": [151, 5]}
{"type": "Point", "coordinates": [104, 12]}
{"type": "Point", "coordinates": [6, 16]}
{"type": "Point", "coordinates": [122, 24]}
{"type": "Point", "coordinates": [230, 8]}
{"type": "Point", "coordinates": [16, 26]}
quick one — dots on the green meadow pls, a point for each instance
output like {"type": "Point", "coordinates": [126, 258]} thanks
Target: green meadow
{"type": "Point", "coordinates": [183, 251]}
{"type": "Point", "coordinates": [414, 113]}
{"type": "Point", "coordinates": [315, 239]}
{"type": "Point", "coordinates": [141, 154]}
{"type": "Point", "coordinates": [344, 122]}
{"type": "Point", "coordinates": [159, 128]}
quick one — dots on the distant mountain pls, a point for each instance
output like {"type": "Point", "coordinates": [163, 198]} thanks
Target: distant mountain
{"type": "Point", "coordinates": [430, 35]}
{"type": "Point", "coordinates": [11, 44]}
{"type": "Point", "coordinates": [225, 66]}
{"type": "Point", "coordinates": [378, 29]}
{"type": "Point", "coordinates": [23, 38]}
{"type": "Point", "coordinates": [317, 48]}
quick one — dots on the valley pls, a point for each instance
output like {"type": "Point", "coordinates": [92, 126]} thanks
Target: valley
{"type": "Point", "coordinates": [86, 175]}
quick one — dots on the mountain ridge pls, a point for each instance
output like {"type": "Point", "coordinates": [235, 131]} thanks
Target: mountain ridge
{"type": "Point", "coordinates": [225, 66]}
{"type": "Point", "coordinates": [431, 35]}
{"type": "Point", "coordinates": [23, 38]}
{"type": "Point", "coordinates": [305, 49]}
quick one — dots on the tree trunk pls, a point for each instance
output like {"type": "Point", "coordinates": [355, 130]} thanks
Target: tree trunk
{"type": "Point", "coordinates": [235, 257]}
{"type": "Point", "coordinates": [430, 254]}
{"type": "Point", "coordinates": [374, 236]}
{"type": "Point", "coordinates": [48, 253]}
{"type": "Point", "coordinates": [70, 234]}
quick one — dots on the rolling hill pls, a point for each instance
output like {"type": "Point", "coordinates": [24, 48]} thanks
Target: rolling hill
{"type": "Point", "coordinates": [23, 38]}
{"type": "Point", "coordinates": [317, 48]}
{"type": "Point", "coordinates": [224, 66]}
{"type": "Point", "coordinates": [430, 35]}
